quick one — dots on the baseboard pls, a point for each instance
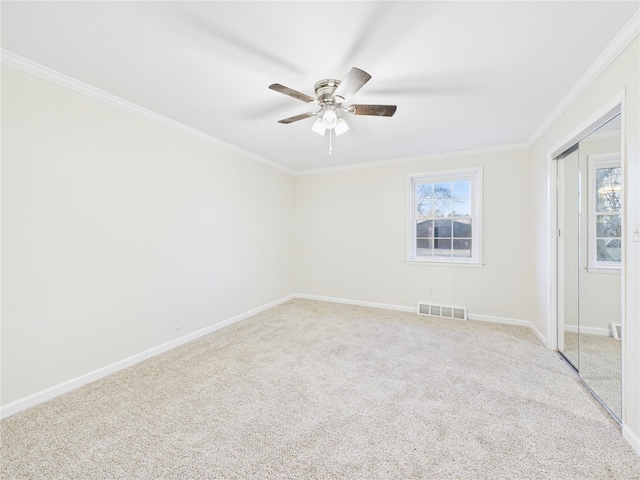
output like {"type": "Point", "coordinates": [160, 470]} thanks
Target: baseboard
{"type": "Point", "coordinates": [539, 334]}
{"type": "Point", "coordinates": [402, 308]}
{"type": "Point", "coordinates": [385, 306]}
{"type": "Point", "coordinates": [589, 330]}
{"type": "Point", "coordinates": [631, 438]}
{"type": "Point", "coordinates": [492, 319]}
{"type": "Point", "coordinates": [52, 392]}
{"type": "Point", "coordinates": [509, 321]}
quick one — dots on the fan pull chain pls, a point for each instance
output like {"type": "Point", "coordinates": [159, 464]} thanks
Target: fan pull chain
{"type": "Point", "coordinates": [330, 143]}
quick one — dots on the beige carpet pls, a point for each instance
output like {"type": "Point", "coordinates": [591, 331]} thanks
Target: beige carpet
{"type": "Point", "coordinates": [600, 366]}
{"type": "Point", "coordinates": [312, 390]}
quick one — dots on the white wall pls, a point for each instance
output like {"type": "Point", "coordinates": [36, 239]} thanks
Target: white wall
{"type": "Point", "coordinates": [621, 76]}
{"type": "Point", "coordinates": [113, 226]}
{"type": "Point", "coordinates": [351, 238]}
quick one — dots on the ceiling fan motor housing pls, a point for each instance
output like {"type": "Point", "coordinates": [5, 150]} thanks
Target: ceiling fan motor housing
{"type": "Point", "coordinates": [324, 91]}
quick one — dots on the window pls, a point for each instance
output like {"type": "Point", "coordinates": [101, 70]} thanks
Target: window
{"type": "Point", "coordinates": [445, 223]}
{"type": "Point", "coordinates": [605, 212]}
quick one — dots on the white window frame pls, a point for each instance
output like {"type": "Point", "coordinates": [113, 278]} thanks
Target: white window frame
{"type": "Point", "coordinates": [607, 160]}
{"type": "Point", "coordinates": [475, 176]}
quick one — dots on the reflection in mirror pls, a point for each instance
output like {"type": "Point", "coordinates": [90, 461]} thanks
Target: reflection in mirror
{"type": "Point", "coordinates": [600, 291]}
{"type": "Point", "coordinates": [590, 199]}
{"type": "Point", "coordinates": [568, 272]}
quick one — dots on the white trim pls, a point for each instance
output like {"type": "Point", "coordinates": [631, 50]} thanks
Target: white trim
{"type": "Point", "coordinates": [602, 332]}
{"type": "Point", "coordinates": [553, 303]}
{"type": "Point", "coordinates": [508, 321]}
{"type": "Point", "coordinates": [605, 270]}
{"type": "Point", "coordinates": [52, 392]}
{"type": "Point", "coordinates": [621, 41]}
{"type": "Point", "coordinates": [617, 45]}
{"type": "Point", "coordinates": [475, 176]}
{"type": "Point", "coordinates": [511, 147]}
{"type": "Point", "coordinates": [444, 263]}
{"type": "Point", "coordinates": [538, 333]}
{"type": "Point", "coordinates": [591, 124]}
{"type": "Point", "coordinates": [402, 308]}
{"type": "Point", "coordinates": [594, 162]}
{"type": "Point", "coordinates": [65, 387]}
{"type": "Point", "coordinates": [631, 438]}
{"type": "Point", "coordinates": [503, 320]}
{"type": "Point", "coordinates": [598, 136]}
{"type": "Point", "coordinates": [360, 303]}
{"type": "Point", "coordinates": [12, 60]}
{"type": "Point", "coordinates": [623, 260]}
{"type": "Point", "coordinates": [628, 33]}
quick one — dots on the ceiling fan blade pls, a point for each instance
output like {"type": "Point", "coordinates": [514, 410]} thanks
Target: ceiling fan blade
{"type": "Point", "coordinates": [297, 117]}
{"type": "Point", "coordinates": [353, 82]}
{"type": "Point", "coordinates": [379, 110]}
{"type": "Point", "coordinates": [292, 93]}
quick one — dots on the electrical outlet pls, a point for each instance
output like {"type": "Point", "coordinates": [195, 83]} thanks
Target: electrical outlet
{"type": "Point", "coordinates": [178, 323]}
{"type": "Point", "coordinates": [430, 291]}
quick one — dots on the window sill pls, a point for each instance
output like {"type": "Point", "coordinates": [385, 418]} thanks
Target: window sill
{"type": "Point", "coordinates": [607, 270]}
{"type": "Point", "coordinates": [445, 263]}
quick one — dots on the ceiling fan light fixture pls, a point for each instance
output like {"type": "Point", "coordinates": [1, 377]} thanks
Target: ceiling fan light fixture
{"type": "Point", "coordinates": [330, 95]}
{"type": "Point", "coordinates": [341, 127]}
{"type": "Point", "coordinates": [318, 126]}
{"type": "Point", "coordinates": [329, 118]}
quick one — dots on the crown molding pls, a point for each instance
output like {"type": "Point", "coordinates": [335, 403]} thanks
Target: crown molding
{"type": "Point", "coordinates": [16, 61]}
{"type": "Point", "coordinates": [628, 33]}
{"type": "Point", "coordinates": [621, 41]}
{"type": "Point", "coordinates": [419, 158]}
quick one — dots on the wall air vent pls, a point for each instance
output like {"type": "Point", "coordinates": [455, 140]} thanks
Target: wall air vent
{"type": "Point", "coordinates": [444, 311]}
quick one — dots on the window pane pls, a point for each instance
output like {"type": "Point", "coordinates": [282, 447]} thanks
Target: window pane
{"type": "Point", "coordinates": [444, 213]}
{"type": "Point", "coordinates": [608, 189]}
{"type": "Point", "coordinates": [609, 250]}
{"type": "Point", "coordinates": [442, 247]}
{"type": "Point", "coordinates": [424, 193]}
{"type": "Point", "coordinates": [442, 209]}
{"type": "Point", "coordinates": [462, 189]}
{"type": "Point", "coordinates": [462, 247]}
{"type": "Point", "coordinates": [442, 228]}
{"type": "Point", "coordinates": [424, 190]}
{"type": "Point", "coordinates": [461, 208]}
{"type": "Point", "coordinates": [424, 248]}
{"type": "Point", "coordinates": [462, 228]}
{"type": "Point", "coordinates": [423, 208]}
{"type": "Point", "coordinates": [608, 226]}
{"type": "Point", "coordinates": [424, 228]}
{"type": "Point", "coordinates": [442, 199]}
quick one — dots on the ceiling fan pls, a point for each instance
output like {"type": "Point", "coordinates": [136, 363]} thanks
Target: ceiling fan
{"type": "Point", "coordinates": [330, 96]}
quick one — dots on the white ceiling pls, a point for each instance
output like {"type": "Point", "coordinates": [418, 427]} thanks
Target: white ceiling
{"type": "Point", "coordinates": [463, 74]}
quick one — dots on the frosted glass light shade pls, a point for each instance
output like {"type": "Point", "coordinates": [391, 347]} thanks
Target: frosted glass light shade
{"type": "Point", "coordinates": [341, 127]}
{"type": "Point", "coordinates": [318, 126]}
{"type": "Point", "coordinates": [329, 119]}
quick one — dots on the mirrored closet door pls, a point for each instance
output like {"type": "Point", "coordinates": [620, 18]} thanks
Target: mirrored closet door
{"type": "Point", "coordinates": [590, 197]}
